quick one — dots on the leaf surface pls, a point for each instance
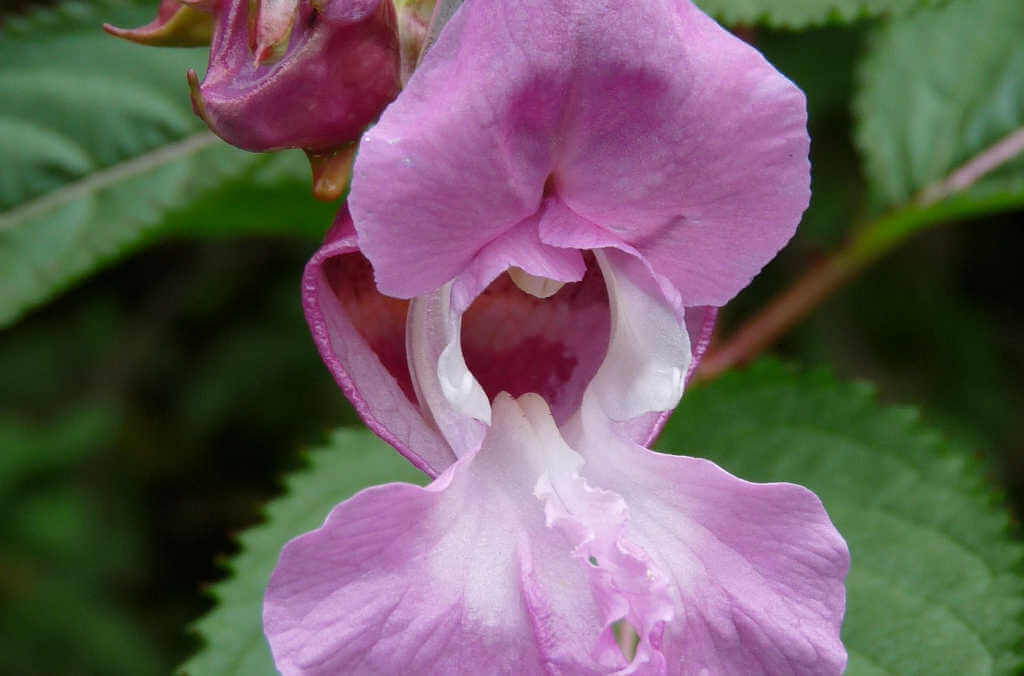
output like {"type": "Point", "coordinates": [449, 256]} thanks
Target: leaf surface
{"type": "Point", "coordinates": [937, 89]}
{"type": "Point", "coordinates": [803, 13]}
{"type": "Point", "coordinates": [100, 146]}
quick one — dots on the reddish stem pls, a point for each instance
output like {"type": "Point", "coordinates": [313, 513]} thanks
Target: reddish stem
{"type": "Point", "coordinates": [867, 245]}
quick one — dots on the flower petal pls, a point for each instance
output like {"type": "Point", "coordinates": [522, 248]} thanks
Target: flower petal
{"type": "Point", "coordinates": [686, 143]}
{"type": "Point", "coordinates": [514, 342]}
{"type": "Point", "coordinates": [360, 335]}
{"type": "Point", "coordinates": [460, 577]}
{"type": "Point", "coordinates": [273, 23]}
{"type": "Point", "coordinates": [560, 226]}
{"type": "Point", "coordinates": [448, 393]}
{"type": "Point", "coordinates": [472, 575]}
{"type": "Point", "coordinates": [647, 119]}
{"type": "Point", "coordinates": [756, 570]}
{"type": "Point", "coordinates": [627, 585]}
{"type": "Point", "coordinates": [519, 247]}
{"type": "Point", "coordinates": [649, 354]}
{"type": "Point", "coordinates": [460, 158]}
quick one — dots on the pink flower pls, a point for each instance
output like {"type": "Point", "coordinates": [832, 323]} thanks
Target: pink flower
{"type": "Point", "coordinates": [628, 165]}
{"type": "Point", "coordinates": [298, 74]}
{"type": "Point", "coordinates": [536, 537]}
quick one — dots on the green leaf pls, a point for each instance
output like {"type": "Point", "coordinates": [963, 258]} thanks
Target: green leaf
{"type": "Point", "coordinates": [935, 585]}
{"type": "Point", "coordinates": [803, 13]}
{"type": "Point", "coordinates": [937, 89]}
{"type": "Point", "coordinates": [233, 632]}
{"type": "Point", "coordinates": [101, 146]}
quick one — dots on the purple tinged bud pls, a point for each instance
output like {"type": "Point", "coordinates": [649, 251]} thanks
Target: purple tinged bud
{"type": "Point", "coordinates": [178, 23]}
{"type": "Point", "coordinates": [298, 73]}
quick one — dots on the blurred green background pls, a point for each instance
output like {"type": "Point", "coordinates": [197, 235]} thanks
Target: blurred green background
{"type": "Point", "coordinates": [149, 410]}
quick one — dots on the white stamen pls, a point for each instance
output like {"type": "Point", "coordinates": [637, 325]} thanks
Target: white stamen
{"type": "Point", "coordinates": [541, 287]}
{"type": "Point", "coordinates": [648, 350]}
{"type": "Point", "coordinates": [459, 386]}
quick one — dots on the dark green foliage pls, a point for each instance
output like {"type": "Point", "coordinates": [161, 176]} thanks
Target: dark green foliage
{"type": "Point", "coordinates": [70, 556]}
{"type": "Point", "coordinates": [803, 13]}
{"type": "Point", "coordinates": [147, 417]}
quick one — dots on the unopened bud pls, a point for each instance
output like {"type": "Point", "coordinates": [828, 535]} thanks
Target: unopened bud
{"type": "Point", "coordinates": [291, 74]}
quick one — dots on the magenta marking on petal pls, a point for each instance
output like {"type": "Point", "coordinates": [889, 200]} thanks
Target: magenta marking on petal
{"type": "Point", "coordinates": [379, 319]}
{"type": "Point", "coordinates": [517, 343]}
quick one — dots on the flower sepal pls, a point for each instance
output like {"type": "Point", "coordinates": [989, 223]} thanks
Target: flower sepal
{"type": "Point", "coordinates": [178, 23]}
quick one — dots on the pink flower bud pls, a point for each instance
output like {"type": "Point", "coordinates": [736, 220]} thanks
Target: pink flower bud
{"type": "Point", "coordinates": [298, 73]}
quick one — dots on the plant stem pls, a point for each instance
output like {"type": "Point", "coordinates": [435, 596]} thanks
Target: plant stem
{"type": "Point", "coordinates": [868, 244]}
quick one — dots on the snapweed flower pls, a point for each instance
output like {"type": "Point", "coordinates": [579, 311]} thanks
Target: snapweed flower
{"type": "Point", "coordinates": [563, 192]}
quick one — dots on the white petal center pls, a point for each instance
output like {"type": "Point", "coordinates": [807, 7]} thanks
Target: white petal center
{"type": "Point", "coordinates": [648, 350]}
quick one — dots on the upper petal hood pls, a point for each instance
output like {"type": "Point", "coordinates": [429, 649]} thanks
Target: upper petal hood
{"type": "Point", "coordinates": [647, 119]}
